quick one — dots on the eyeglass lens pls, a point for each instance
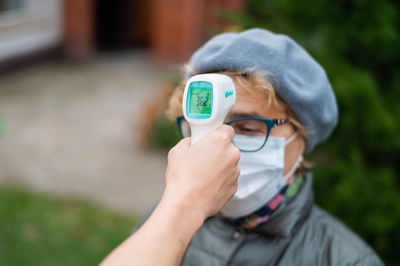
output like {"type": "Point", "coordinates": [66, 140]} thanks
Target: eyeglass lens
{"type": "Point", "coordinates": [250, 134]}
{"type": "Point", "coordinates": [255, 129]}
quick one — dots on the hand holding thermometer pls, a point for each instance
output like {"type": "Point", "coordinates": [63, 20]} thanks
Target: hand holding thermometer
{"type": "Point", "coordinates": [207, 100]}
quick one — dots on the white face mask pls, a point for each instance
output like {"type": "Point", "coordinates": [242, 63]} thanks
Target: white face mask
{"type": "Point", "coordinates": [261, 175]}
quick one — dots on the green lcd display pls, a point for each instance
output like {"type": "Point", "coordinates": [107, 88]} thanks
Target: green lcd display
{"type": "Point", "coordinates": [200, 99]}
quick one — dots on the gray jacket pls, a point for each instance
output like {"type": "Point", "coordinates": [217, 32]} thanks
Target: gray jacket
{"type": "Point", "coordinates": [302, 234]}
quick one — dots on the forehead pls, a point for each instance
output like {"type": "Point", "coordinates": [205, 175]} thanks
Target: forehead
{"type": "Point", "coordinates": [252, 102]}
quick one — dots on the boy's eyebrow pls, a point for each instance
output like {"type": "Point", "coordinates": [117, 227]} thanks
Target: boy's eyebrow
{"type": "Point", "coordinates": [240, 115]}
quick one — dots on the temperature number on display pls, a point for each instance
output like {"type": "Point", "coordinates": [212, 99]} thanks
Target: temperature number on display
{"type": "Point", "coordinates": [203, 101]}
{"type": "Point", "coordinates": [200, 98]}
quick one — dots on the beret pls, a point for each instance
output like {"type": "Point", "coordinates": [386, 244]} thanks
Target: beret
{"type": "Point", "coordinates": [297, 78]}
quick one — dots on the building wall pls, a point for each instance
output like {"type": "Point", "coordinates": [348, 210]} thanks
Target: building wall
{"type": "Point", "coordinates": [79, 28]}
{"type": "Point", "coordinates": [180, 26]}
{"type": "Point", "coordinates": [171, 29]}
{"type": "Point", "coordinates": [29, 27]}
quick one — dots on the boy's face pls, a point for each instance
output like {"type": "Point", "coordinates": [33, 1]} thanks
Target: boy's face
{"type": "Point", "coordinates": [254, 104]}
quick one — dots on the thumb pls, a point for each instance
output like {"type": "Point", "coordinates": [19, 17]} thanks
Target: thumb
{"type": "Point", "coordinates": [185, 143]}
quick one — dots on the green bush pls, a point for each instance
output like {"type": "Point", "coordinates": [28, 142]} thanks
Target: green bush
{"type": "Point", "coordinates": [358, 43]}
{"type": "Point", "coordinates": [165, 134]}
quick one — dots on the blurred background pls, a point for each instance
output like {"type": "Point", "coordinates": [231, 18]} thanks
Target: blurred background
{"type": "Point", "coordinates": [83, 137]}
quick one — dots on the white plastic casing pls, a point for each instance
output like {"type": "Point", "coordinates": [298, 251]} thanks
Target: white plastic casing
{"type": "Point", "coordinates": [223, 99]}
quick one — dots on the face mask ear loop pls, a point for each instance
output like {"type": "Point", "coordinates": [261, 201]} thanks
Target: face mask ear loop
{"type": "Point", "coordinates": [294, 168]}
{"type": "Point", "coordinates": [291, 138]}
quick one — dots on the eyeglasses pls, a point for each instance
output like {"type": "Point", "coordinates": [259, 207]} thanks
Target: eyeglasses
{"type": "Point", "coordinates": [257, 128]}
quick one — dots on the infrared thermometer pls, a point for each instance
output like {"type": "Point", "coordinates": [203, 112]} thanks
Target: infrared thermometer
{"type": "Point", "coordinates": [207, 100]}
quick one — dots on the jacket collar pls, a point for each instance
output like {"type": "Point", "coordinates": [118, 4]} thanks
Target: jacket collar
{"type": "Point", "coordinates": [293, 215]}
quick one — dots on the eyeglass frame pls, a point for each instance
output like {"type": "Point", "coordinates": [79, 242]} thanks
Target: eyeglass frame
{"type": "Point", "coordinates": [269, 122]}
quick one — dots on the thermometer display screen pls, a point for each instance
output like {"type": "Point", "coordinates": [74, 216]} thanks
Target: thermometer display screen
{"type": "Point", "coordinates": [200, 98]}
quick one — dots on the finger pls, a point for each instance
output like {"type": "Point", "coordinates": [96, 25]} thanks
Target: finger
{"type": "Point", "coordinates": [237, 172]}
{"type": "Point", "coordinates": [232, 178]}
{"type": "Point", "coordinates": [227, 130]}
{"type": "Point", "coordinates": [235, 188]}
{"type": "Point", "coordinates": [235, 154]}
{"type": "Point", "coordinates": [184, 143]}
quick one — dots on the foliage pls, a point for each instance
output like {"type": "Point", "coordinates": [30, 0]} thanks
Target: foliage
{"type": "Point", "coordinates": [358, 43]}
{"type": "Point", "coordinates": [165, 134]}
{"type": "Point", "coordinates": [36, 229]}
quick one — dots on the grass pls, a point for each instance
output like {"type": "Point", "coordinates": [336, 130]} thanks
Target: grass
{"type": "Point", "coordinates": [37, 229]}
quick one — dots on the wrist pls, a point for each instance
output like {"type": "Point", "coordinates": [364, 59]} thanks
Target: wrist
{"type": "Point", "coordinates": [183, 212]}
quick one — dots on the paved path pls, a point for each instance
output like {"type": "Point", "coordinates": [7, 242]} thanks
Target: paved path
{"type": "Point", "coordinates": [70, 130]}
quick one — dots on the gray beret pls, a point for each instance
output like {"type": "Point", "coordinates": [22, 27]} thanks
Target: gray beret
{"type": "Point", "coordinates": [297, 78]}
